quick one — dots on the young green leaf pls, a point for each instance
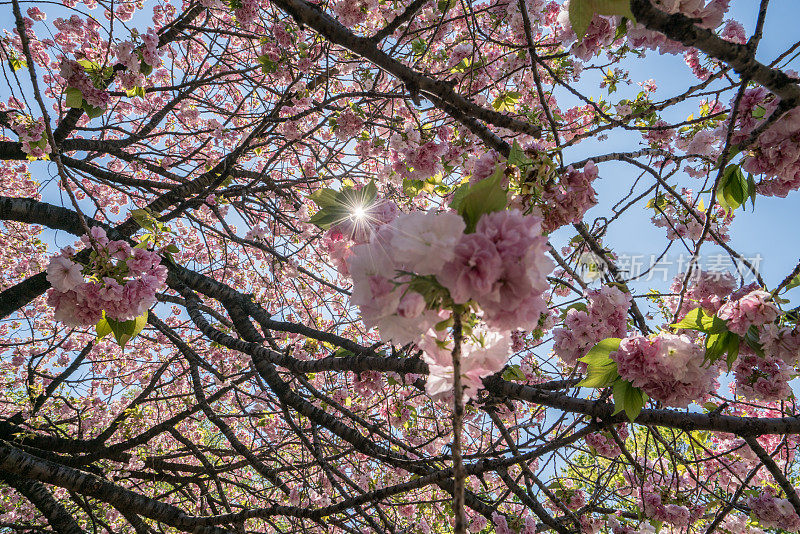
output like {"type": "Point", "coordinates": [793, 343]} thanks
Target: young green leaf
{"type": "Point", "coordinates": [102, 328]}
{"type": "Point", "coordinates": [124, 331]}
{"type": "Point", "coordinates": [733, 189]}
{"type": "Point", "coordinates": [324, 197]}
{"type": "Point", "coordinates": [629, 399]}
{"type": "Point", "coordinates": [74, 97]}
{"type": "Point", "coordinates": [143, 218]}
{"type": "Point", "coordinates": [483, 197]}
{"type": "Point", "coordinates": [91, 111]}
{"type": "Point", "coordinates": [513, 373]}
{"type": "Point", "coordinates": [698, 319]}
{"type": "Point", "coordinates": [517, 157]}
{"type": "Point", "coordinates": [601, 370]}
{"type": "Point", "coordinates": [794, 283]}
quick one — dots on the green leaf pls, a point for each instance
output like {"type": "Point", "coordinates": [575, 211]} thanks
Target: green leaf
{"type": "Point", "coordinates": [341, 353]}
{"type": "Point", "coordinates": [458, 196]}
{"type": "Point", "coordinates": [751, 185]}
{"type": "Point", "coordinates": [600, 352]}
{"type": "Point", "coordinates": [326, 218]}
{"type": "Point", "coordinates": [337, 206]}
{"type": "Point", "coordinates": [102, 328]}
{"type": "Point", "coordinates": [517, 157]}
{"type": "Point", "coordinates": [92, 111]}
{"type": "Point", "coordinates": [794, 283]}
{"type": "Point", "coordinates": [136, 91]}
{"type": "Point", "coordinates": [513, 373]}
{"type": "Point", "coordinates": [506, 101]}
{"type": "Point", "coordinates": [733, 189]}
{"type": "Point", "coordinates": [581, 13]}
{"type": "Point", "coordinates": [88, 65]}
{"type": "Point", "coordinates": [418, 46]}
{"type": "Point", "coordinates": [629, 399]}
{"type": "Point", "coordinates": [17, 62]}
{"type": "Point", "coordinates": [600, 376]}
{"type": "Point", "coordinates": [601, 369]}
{"type": "Point", "coordinates": [124, 331]}
{"type": "Point", "coordinates": [74, 97]}
{"type": "Point", "coordinates": [698, 319]}
{"type": "Point", "coordinates": [483, 197]}
{"type": "Point", "coordinates": [369, 193]}
{"type": "Point", "coordinates": [267, 65]}
{"type": "Point", "coordinates": [143, 218]}
{"type": "Point", "coordinates": [733, 350]}
{"type": "Point", "coordinates": [145, 69]}
{"type": "Point", "coordinates": [324, 197]}
{"type": "Point", "coordinates": [716, 345]}
{"type": "Point", "coordinates": [412, 188]}
{"type": "Point", "coordinates": [722, 343]}
{"type": "Point", "coordinates": [144, 240]}
{"type": "Point", "coordinates": [751, 338]}
{"type": "Point", "coordinates": [658, 203]}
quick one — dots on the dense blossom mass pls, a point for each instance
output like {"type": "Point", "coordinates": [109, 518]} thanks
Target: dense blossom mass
{"type": "Point", "coordinates": [416, 268]}
{"type": "Point", "coordinates": [123, 282]}
{"type": "Point", "coordinates": [420, 266]}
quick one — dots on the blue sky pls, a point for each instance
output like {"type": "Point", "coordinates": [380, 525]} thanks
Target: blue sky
{"type": "Point", "coordinates": [769, 230]}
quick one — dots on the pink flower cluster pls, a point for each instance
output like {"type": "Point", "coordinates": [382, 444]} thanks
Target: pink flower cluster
{"type": "Point", "coordinates": [483, 353]}
{"type": "Point", "coordinates": [75, 76]}
{"type": "Point", "coordinates": [755, 105]}
{"type": "Point", "coordinates": [338, 248]}
{"type": "Point", "coordinates": [567, 201]}
{"type": "Point", "coordinates": [122, 281]}
{"type": "Point", "coordinates": [781, 342]}
{"type": "Point", "coordinates": [762, 378]}
{"type": "Point", "coordinates": [600, 34]}
{"type": "Point", "coordinates": [348, 125]}
{"type": "Point", "coordinates": [573, 499]}
{"type": "Point", "coordinates": [706, 290]}
{"type": "Point", "coordinates": [150, 48]}
{"type": "Point", "coordinates": [777, 156]}
{"type": "Point", "coordinates": [126, 55]}
{"type": "Point", "coordinates": [501, 267]}
{"type": "Point", "coordinates": [417, 242]}
{"type": "Point", "coordinates": [31, 135]}
{"type": "Point", "coordinates": [668, 367]}
{"type": "Point", "coordinates": [773, 512]}
{"type": "Point", "coordinates": [674, 514]}
{"type": "Point", "coordinates": [353, 12]}
{"type": "Point", "coordinates": [751, 309]}
{"type": "Point", "coordinates": [414, 157]}
{"type": "Point", "coordinates": [681, 223]}
{"type": "Point", "coordinates": [36, 14]}
{"type": "Point", "coordinates": [340, 238]}
{"type": "Point", "coordinates": [710, 15]}
{"type": "Point", "coordinates": [660, 135]}
{"type": "Point", "coordinates": [605, 317]}
{"type": "Point", "coordinates": [604, 444]}
{"type": "Point", "coordinates": [483, 166]}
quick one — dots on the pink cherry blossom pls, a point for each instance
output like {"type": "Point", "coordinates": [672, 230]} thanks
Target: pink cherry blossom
{"type": "Point", "coordinates": [64, 274]}
{"type": "Point", "coordinates": [669, 368]}
{"type": "Point", "coordinates": [751, 309]}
